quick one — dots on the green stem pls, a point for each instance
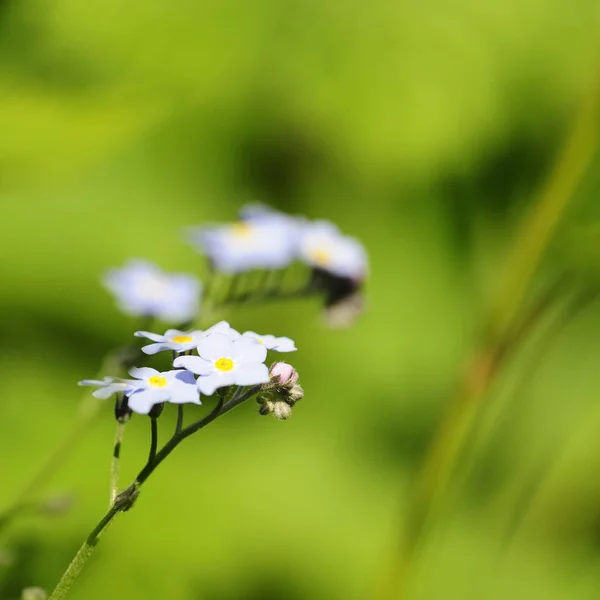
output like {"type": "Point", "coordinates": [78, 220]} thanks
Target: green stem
{"type": "Point", "coordinates": [125, 500]}
{"type": "Point", "coordinates": [83, 554]}
{"type": "Point", "coordinates": [220, 409]}
{"type": "Point", "coordinates": [116, 460]}
{"type": "Point", "coordinates": [537, 230]}
{"type": "Point", "coordinates": [89, 408]}
{"type": "Point", "coordinates": [521, 266]}
{"type": "Point", "coordinates": [154, 438]}
{"type": "Point", "coordinates": [179, 424]}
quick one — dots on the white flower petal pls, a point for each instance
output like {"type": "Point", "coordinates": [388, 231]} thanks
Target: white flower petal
{"type": "Point", "coordinates": [251, 374]}
{"type": "Point", "coordinates": [155, 348]}
{"type": "Point", "coordinates": [215, 346]}
{"type": "Point", "coordinates": [253, 335]}
{"type": "Point", "coordinates": [220, 327]}
{"type": "Point", "coordinates": [195, 364]}
{"type": "Point", "coordinates": [142, 372]}
{"type": "Point", "coordinates": [283, 344]}
{"type": "Point", "coordinates": [210, 383]}
{"type": "Point", "coordinates": [106, 392]}
{"type": "Point", "coordinates": [184, 393]}
{"type": "Point", "coordinates": [171, 333]}
{"type": "Point", "coordinates": [142, 401]}
{"type": "Point", "coordinates": [155, 337]}
{"type": "Point", "coordinates": [92, 382]}
{"type": "Point", "coordinates": [246, 349]}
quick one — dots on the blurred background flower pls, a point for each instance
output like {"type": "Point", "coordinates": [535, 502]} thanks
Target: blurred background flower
{"type": "Point", "coordinates": [425, 130]}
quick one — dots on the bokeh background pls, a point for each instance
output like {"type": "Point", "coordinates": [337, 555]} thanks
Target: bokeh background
{"type": "Point", "coordinates": [424, 129]}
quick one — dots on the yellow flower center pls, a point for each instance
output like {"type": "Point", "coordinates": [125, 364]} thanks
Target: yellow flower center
{"type": "Point", "coordinates": [321, 256]}
{"type": "Point", "coordinates": [241, 230]}
{"type": "Point", "coordinates": [224, 364]}
{"type": "Point", "coordinates": [157, 381]}
{"type": "Point", "coordinates": [182, 339]}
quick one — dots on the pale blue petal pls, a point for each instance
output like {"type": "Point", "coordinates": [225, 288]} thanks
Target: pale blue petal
{"type": "Point", "coordinates": [184, 377]}
{"type": "Point", "coordinates": [210, 383]}
{"type": "Point", "coordinates": [247, 349]}
{"type": "Point", "coordinates": [184, 393]}
{"type": "Point", "coordinates": [142, 401]}
{"type": "Point", "coordinates": [92, 382]}
{"type": "Point", "coordinates": [195, 364]}
{"type": "Point", "coordinates": [169, 333]}
{"type": "Point", "coordinates": [155, 348]}
{"type": "Point", "coordinates": [142, 372]}
{"type": "Point", "coordinates": [155, 337]}
{"type": "Point", "coordinates": [253, 335]}
{"type": "Point", "coordinates": [251, 374]}
{"type": "Point", "coordinates": [215, 346]}
{"type": "Point", "coordinates": [106, 392]}
{"type": "Point", "coordinates": [283, 344]}
{"type": "Point", "coordinates": [223, 327]}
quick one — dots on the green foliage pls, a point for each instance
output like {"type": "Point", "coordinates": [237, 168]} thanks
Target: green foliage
{"type": "Point", "coordinates": [425, 129]}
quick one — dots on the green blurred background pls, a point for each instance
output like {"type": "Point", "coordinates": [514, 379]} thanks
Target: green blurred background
{"type": "Point", "coordinates": [424, 129]}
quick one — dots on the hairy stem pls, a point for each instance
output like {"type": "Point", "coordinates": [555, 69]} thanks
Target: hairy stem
{"type": "Point", "coordinates": [125, 500]}
{"type": "Point", "coordinates": [115, 463]}
{"type": "Point", "coordinates": [83, 554]}
{"type": "Point", "coordinates": [89, 408]}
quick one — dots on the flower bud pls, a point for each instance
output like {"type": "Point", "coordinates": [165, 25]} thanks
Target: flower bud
{"type": "Point", "coordinates": [33, 593]}
{"type": "Point", "coordinates": [282, 410]}
{"type": "Point", "coordinates": [266, 408]}
{"type": "Point", "coordinates": [295, 394]}
{"type": "Point", "coordinates": [284, 373]}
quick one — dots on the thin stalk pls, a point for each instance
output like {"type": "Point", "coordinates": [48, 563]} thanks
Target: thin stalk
{"type": "Point", "coordinates": [89, 408]}
{"type": "Point", "coordinates": [522, 265]}
{"type": "Point", "coordinates": [537, 230]}
{"type": "Point", "coordinates": [234, 287]}
{"type": "Point", "coordinates": [303, 292]}
{"type": "Point", "coordinates": [116, 460]}
{"type": "Point", "coordinates": [179, 425]}
{"type": "Point", "coordinates": [153, 439]}
{"type": "Point", "coordinates": [125, 500]}
{"type": "Point", "coordinates": [530, 491]}
{"type": "Point", "coordinates": [220, 409]}
{"type": "Point", "coordinates": [83, 555]}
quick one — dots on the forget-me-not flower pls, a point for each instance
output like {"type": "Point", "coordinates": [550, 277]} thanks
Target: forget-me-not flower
{"type": "Point", "coordinates": [182, 341]}
{"type": "Point", "coordinates": [143, 289]}
{"type": "Point", "coordinates": [324, 247]}
{"type": "Point", "coordinates": [222, 361]}
{"type": "Point", "coordinates": [271, 342]}
{"type": "Point", "coordinates": [268, 242]}
{"type": "Point", "coordinates": [151, 387]}
{"type": "Point", "coordinates": [172, 339]}
{"type": "Point", "coordinates": [108, 386]}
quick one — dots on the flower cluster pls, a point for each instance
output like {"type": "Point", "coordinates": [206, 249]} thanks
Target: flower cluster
{"type": "Point", "coordinates": [264, 239]}
{"type": "Point", "coordinates": [281, 393]}
{"type": "Point", "coordinates": [268, 239]}
{"type": "Point", "coordinates": [204, 362]}
{"type": "Point", "coordinates": [261, 240]}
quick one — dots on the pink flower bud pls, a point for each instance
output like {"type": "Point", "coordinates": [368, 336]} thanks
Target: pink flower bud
{"type": "Point", "coordinates": [285, 373]}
